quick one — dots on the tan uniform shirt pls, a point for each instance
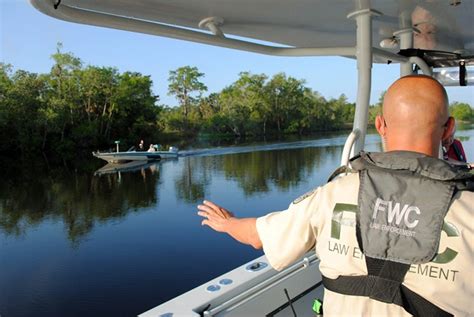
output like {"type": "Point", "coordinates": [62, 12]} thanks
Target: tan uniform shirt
{"type": "Point", "coordinates": [326, 218]}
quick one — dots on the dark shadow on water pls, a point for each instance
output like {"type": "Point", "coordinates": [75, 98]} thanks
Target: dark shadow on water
{"type": "Point", "coordinates": [32, 193]}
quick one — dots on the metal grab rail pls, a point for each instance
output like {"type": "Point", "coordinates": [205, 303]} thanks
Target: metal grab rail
{"type": "Point", "coordinates": [262, 287]}
{"type": "Point", "coordinates": [348, 146]}
{"type": "Point", "coordinates": [422, 64]}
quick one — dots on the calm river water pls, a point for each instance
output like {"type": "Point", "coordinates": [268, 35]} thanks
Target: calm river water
{"type": "Point", "coordinates": [75, 242]}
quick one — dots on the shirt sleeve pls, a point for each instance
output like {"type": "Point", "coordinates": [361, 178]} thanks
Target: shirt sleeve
{"type": "Point", "coordinates": [287, 235]}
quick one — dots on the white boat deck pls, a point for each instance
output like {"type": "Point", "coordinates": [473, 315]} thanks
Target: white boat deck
{"type": "Point", "coordinates": [251, 290]}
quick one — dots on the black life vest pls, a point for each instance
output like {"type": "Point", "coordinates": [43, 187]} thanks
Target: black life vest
{"type": "Point", "coordinates": [423, 188]}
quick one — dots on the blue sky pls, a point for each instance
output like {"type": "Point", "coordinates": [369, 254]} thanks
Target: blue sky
{"type": "Point", "coordinates": [28, 38]}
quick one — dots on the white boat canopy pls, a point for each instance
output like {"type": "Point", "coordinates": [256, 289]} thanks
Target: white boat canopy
{"type": "Point", "coordinates": [297, 24]}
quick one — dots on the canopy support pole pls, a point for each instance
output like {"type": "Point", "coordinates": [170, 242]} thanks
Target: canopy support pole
{"type": "Point", "coordinates": [406, 41]}
{"type": "Point", "coordinates": [364, 68]}
{"type": "Point", "coordinates": [405, 35]}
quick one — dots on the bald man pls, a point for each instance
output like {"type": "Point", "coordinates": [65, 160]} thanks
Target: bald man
{"type": "Point", "coordinates": [394, 237]}
{"type": "Point", "coordinates": [415, 116]}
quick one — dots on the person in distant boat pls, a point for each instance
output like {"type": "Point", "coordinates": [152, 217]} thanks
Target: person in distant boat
{"type": "Point", "coordinates": [453, 149]}
{"type": "Point", "coordinates": [152, 148]}
{"type": "Point", "coordinates": [377, 230]}
{"type": "Point", "coordinates": [141, 146]}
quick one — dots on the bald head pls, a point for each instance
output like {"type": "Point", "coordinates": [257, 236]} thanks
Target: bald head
{"type": "Point", "coordinates": [415, 113]}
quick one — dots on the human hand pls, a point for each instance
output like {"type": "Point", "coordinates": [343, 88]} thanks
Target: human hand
{"type": "Point", "coordinates": [215, 216]}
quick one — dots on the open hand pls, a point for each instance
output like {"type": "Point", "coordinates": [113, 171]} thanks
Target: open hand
{"type": "Point", "coordinates": [215, 216]}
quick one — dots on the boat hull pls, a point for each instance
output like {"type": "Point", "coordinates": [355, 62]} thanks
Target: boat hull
{"type": "Point", "coordinates": [123, 157]}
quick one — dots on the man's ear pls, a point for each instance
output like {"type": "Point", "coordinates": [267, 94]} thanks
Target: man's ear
{"type": "Point", "coordinates": [380, 125]}
{"type": "Point", "coordinates": [449, 129]}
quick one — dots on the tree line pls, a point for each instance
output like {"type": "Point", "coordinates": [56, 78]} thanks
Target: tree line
{"type": "Point", "coordinates": [77, 107]}
{"type": "Point", "coordinates": [253, 105]}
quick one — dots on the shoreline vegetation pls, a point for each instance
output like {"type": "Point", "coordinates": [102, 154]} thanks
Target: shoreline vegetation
{"type": "Point", "coordinates": [75, 109]}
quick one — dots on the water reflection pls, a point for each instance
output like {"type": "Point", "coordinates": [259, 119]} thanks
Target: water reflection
{"type": "Point", "coordinates": [194, 178]}
{"type": "Point", "coordinates": [112, 168]}
{"type": "Point", "coordinates": [78, 200]}
{"type": "Point", "coordinates": [81, 200]}
{"type": "Point", "coordinates": [258, 172]}
{"type": "Point", "coordinates": [255, 172]}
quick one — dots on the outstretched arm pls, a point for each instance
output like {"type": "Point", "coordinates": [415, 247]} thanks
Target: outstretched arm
{"type": "Point", "coordinates": [220, 219]}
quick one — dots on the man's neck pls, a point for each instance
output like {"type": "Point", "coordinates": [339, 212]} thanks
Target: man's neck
{"type": "Point", "coordinates": [427, 149]}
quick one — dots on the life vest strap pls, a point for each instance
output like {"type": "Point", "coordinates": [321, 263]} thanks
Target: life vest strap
{"type": "Point", "coordinates": [381, 289]}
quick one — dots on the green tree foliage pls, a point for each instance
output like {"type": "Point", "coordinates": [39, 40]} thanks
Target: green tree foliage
{"type": "Point", "coordinates": [21, 109]}
{"type": "Point", "coordinates": [74, 107]}
{"type": "Point", "coordinates": [258, 105]}
{"type": "Point", "coordinates": [285, 96]}
{"type": "Point", "coordinates": [137, 114]}
{"type": "Point", "coordinates": [63, 90]}
{"type": "Point", "coordinates": [185, 85]}
{"type": "Point", "coordinates": [243, 104]}
{"type": "Point", "coordinates": [461, 111]}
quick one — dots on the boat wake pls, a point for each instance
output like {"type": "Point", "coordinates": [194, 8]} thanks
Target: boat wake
{"type": "Point", "coordinates": [339, 141]}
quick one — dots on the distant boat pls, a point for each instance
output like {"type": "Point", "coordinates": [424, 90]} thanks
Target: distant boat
{"type": "Point", "coordinates": [123, 157]}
